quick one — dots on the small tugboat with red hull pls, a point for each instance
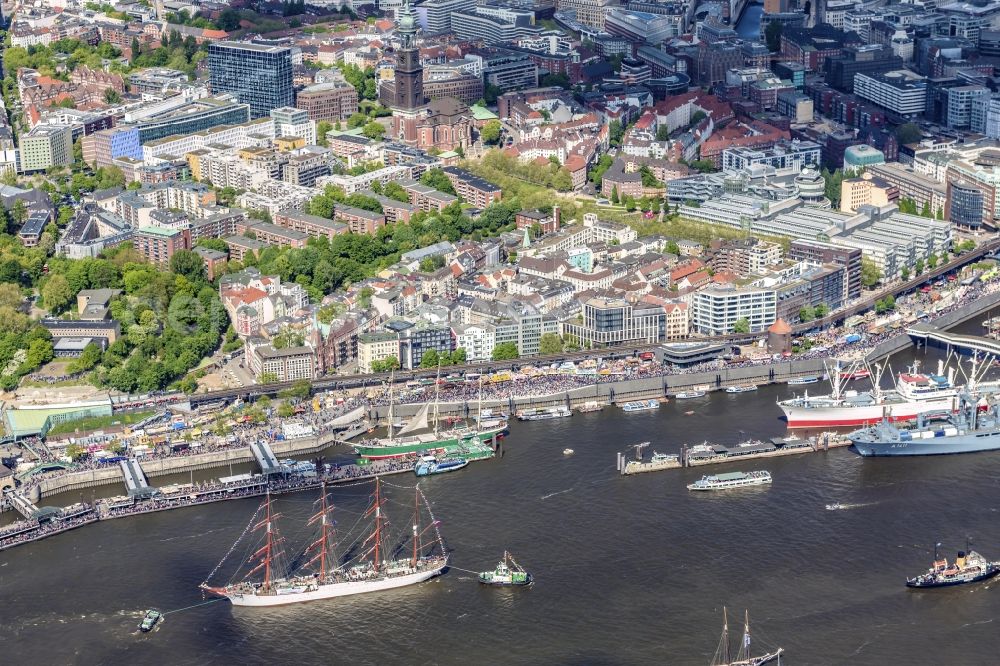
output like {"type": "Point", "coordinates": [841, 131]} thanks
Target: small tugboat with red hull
{"type": "Point", "coordinates": [968, 567]}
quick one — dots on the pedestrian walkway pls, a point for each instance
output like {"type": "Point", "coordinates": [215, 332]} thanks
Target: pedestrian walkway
{"type": "Point", "coordinates": [135, 479]}
{"type": "Point", "coordinates": [931, 333]}
{"type": "Point", "coordinates": [265, 458]}
{"type": "Point", "coordinates": [22, 504]}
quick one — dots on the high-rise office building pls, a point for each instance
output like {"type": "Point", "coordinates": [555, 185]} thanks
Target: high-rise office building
{"type": "Point", "coordinates": [258, 74]}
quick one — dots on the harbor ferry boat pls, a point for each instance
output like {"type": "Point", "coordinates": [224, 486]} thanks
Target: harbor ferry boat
{"type": "Point", "coordinates": [640, 406]}
{"type": "Point", "coordinates": [429, 465]}
{"type": "Point", "coordinates": [506, 575]}
{"type": "Point", "coordinates": [915, 393]}
{"type": "Point", "coordinates": [968, 567]}
{"type": "Point", "coordinates": [744, 656]}
{"type": "Point", "coordinates": [730, 480]}
{"type": "Point", "coordinates": [741, 389]}
{"type": "Point", "coordinates": [544, 413]}
{"type": "Point", "coordinates": [688, 395]}
{"type": "Point", "coordinates": [372, 562]}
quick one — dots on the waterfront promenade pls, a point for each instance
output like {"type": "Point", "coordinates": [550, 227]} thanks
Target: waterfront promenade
{"type": "Point", "coordinates": [28, 531]}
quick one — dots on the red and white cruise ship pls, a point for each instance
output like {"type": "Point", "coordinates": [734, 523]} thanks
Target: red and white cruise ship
{"type": "Point", "coordinates": [915, 393]}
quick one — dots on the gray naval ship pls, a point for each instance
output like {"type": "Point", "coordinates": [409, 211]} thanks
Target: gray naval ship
{"type": "Point", "coordinates": [972, 427]}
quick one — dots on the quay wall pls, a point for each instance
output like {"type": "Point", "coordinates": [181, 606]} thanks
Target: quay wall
{"type": "Point", "coordinates": [174, 465]}
{"type": "Point", "coordinates": [658, 386]}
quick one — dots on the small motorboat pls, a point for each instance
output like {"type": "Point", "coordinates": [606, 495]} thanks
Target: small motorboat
{"type": "Point", "coordinates": [834, 507]}
{"type": "Point", "coordinates": [568, 452]}
{"type": "Point", "coordinates": [150, 620]}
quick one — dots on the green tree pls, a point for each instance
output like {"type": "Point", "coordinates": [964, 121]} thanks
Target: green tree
{"type": "Point", "coordinates": [386, 364]}
{"type": "Point", "coordinates": [505, 351]}
{"type": "Point", "coordinates": [490, 133]}
{"type": "Point", "coordinates": [597, 172]}
{"type": "Point", "coordinates": [925, 211]}
{"type": "Point", "coordinates": [905, 273]}
{"type": "Point", "coordinates": [56, 294]}
{"type": "Point", "coordinates": [871, 275]}
{"type": "Point", "coordinates": [437, 179]}
{"type": "Point", "coordinates": [932, 261]}
{"type": "Point", "coordinates": [458, 357]}
{"type": "Point", "coordinates": [550, 343]}
{"type": "Point", "coordinates": [285, 410]}
{"type": "Point", "coordinates": [822, 310]}
{"type": "Point", "coordinates": [430, 359]}
{"type": "Point", "coordinates": [808, 313]}
{"type": "Point", "coordinates": [662, 132]}
{"type": "Point", "coordinates": [741, 325]}
{"type": "Point", "coordinates": [614, 194]}
{"type": "Point", "coordinates": [373, 130]}
{"type": "Point", "coordinates": [322, 127]}
{"type": "Point", "coordinates": [267, 378]}
{"type": "Point", "coordinates": [673, 248]}
{"type": "Point", "coordinates": [616, 131]}
{"type": "Point", "coordinates": [918, 268]}
{"type": "Point", "coordinates": [909, 133]}
{"type": "Point", "coordinates": [189, 264]}
{"type": "Point", "coordinates": [112, 96]}
{"type": "Point", "coordinates": [772, 36]}
{"type": "Point", "coordinates": [394, 190]}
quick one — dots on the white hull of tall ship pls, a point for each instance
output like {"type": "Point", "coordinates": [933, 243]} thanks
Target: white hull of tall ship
{"type": "Point", "coordinates": [331, 590]}
{"type": "Point", "coordinates": [757, 661]}
{"type": "Point", "coordinates": [853, 415]}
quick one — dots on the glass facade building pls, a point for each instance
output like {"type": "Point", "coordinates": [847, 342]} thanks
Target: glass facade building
{"type": "Point", "coordinates": [258, 74]}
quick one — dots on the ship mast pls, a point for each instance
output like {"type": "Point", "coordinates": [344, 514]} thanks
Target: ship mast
{"type": "Point", "coordinates": [724, 642]}
{"type": "Point", "coordinates": [479, 416]}
{"type": "Point", "coordinates": [416, 516]}
{"type": "Point", "coordinates": [391, 417]}
{"type": "Point", "coordinates": [378, 523]}
{"type": "Point", "coordinates": [269, 546]}
{"type": "Point", "coordinates": [437, 397]}
{"type": "Point", "coordinates": [267, 552]}
{"type": "Point", "coordinates": [745, 644]}
{"type": "Point", "coordinates": [323, 542]}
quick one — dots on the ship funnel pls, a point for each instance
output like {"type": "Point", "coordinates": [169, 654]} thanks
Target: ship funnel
{"type": "Point", "coordinates": [960, 560]}
{"type": "Point", "coordinates": [951, 376]}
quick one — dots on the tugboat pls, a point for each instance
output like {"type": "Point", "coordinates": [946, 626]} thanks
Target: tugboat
{"type": "Point", "coordinates": [150, 620]}
{"type": "Point", "coordinates": [506, 575]}
{"type": "Point", "coordinates": [969, 567]}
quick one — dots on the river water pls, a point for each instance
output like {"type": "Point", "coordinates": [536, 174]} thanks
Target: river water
{"type": "Point", "coordinates": [629, 570]}
{"type": "Point", "coordinates": [748, 26]}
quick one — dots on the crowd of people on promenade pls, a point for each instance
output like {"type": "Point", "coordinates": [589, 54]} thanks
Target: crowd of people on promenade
{"type": "Point", "coordinates": [25, 531]}
{"type": "Point", "coordinates": [15, 533]}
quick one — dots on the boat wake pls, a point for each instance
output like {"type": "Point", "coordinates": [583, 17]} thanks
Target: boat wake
{"type": "Point", "coordinates": [843, 507]}
{"type": "Point", "coordinates": [545, 497]}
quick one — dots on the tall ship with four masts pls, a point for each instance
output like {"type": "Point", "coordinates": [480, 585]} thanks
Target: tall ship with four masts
{"type": "Point", "coordinates": [422, 435]}
{"type": "Point", "coordinates": [915, 393]}
{"type": "Point", "coordinates": [381, 562]}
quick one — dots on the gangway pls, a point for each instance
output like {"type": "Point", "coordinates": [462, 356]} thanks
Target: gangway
{"type": "Point", "coordinates": [930, 333]}
{"type": "Point", "coordinates": [135, 479]}
{"type": "Point", "coordinates": [265, 458]}
{"type": "Point", "coordinates": [22, 504]}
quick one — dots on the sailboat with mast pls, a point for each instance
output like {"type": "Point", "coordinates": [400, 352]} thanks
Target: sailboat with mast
{"type": "Point", "coordinates": [422, 435]}
{"type": "Point", "coordinates": [378, 566]}
{"type": "Point", "coordinates": [743, 657]}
